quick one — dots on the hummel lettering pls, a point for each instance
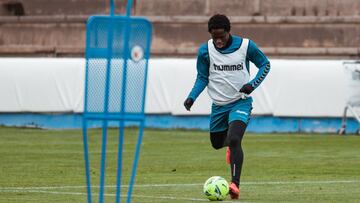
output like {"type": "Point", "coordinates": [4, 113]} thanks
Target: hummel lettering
{"type": "Point", "coordinates": [228, 67]}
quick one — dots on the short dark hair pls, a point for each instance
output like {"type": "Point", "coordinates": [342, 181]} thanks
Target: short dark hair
{"type": "Point", "coordinates": [219, 21]}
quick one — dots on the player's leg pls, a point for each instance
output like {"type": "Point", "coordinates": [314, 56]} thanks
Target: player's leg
{"type": "Point", "coordinates": [238, 120]}
{"type": "Point", "coordinates": [236, 132]}
{"type": "Point", "coordinates": [218, 126]}
{"type": "Point", "coordinates": [218, 139]}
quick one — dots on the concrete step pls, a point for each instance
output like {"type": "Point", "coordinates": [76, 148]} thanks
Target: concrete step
{"type": "Point", "coordinates": [58, 7]}
{"type": "Point", "coordinates": [185, 7]}
{"type": "Point", "coordinates": [280, 36]}
{"type": "Point", "coordinates": [249, 7]}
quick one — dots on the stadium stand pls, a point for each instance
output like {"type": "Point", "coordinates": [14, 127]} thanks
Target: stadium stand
{"type": "Point", "coordinates": [282, 28]}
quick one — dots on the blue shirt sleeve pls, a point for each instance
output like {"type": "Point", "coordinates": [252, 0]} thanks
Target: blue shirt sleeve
{"type": "Point", "coordinates": [256, 56]}
{"type": "Point", "coordinates": [202, 66]}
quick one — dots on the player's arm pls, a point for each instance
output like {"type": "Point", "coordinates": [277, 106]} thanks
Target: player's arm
{"type": "Point", "coordinates": [256, 56]}
{"type": "Point", "coordinates": [202, 78]}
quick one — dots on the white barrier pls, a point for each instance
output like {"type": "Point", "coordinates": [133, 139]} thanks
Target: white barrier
{"type": "Point", "coordinates": [310, 88]}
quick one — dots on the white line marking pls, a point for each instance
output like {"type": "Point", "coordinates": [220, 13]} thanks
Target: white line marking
{"type": "Point", "coordinates": [113, 195]}
{"type": "Point", "coordinates": [186, 184]}
{"type": "Point", "coordinates": [301, 182]}
{"type": "Point", "coordinates": [97, 186]}
{"type": "Point", "coordinates": [45, 189]}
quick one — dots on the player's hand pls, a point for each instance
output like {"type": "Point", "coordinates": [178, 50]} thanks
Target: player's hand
{"type": "Point", "coordinates": [188, 103]}
{"type": "Point", "coordinates": [247, 89]}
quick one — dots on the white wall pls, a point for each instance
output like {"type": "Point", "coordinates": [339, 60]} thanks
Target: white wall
{"type": "Point", "coordinates": [292, 88]}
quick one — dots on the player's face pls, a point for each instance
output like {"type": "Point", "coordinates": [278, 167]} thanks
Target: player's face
{"type": "Point", "coordinates": [220, 37]}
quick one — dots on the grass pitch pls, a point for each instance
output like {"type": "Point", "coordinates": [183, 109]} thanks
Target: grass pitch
{"type": "Point", "coordinates": [47, 166]}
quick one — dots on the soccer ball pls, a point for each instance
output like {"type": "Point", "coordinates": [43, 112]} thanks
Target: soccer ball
{"type": "Point", "coordinates": [216, 188]}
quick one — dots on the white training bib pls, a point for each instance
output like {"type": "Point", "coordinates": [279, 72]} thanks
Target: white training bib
{"type": "Point", "coordinates": [227, 74]}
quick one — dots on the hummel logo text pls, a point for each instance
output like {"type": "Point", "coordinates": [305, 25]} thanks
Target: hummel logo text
{"type": "Point", "coordinates": [228, 67]}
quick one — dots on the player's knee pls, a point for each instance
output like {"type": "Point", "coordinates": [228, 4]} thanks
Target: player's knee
{"type": "Point", "coordinates": [218, 139]}
{"type": "Point", "coordinates": [217, 145]}
{"type": "Point", "coordinates": [234, 141]}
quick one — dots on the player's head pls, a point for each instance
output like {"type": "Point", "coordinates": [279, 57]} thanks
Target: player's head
{"type": "Point", "coordinates": [219, 28]}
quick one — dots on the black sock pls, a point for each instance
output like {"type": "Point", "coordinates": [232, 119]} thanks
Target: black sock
{"type": "Point", "coordinates": [236, 133]}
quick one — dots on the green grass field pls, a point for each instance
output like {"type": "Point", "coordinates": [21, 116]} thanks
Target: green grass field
{"type": "Point", "coordinates": [47, 166]}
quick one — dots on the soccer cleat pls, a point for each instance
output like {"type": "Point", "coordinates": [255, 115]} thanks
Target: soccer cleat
{"type": "Point", "coordinates": [228, 155]}
{"type": "Point", "coordinates": [234, 191]}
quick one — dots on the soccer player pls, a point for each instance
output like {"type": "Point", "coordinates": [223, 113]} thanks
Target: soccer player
{"type": "Point", "coordinates": [223, 67]}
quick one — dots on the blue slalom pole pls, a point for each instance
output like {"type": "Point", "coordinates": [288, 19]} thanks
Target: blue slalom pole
{"type": "Point", "coordinates": [112, 7]}
{"type": "Point", "coordinates": [121, 126]}
{"type": "Point", "coordinates": [128, 8]}
{"type": "Point", "coordinates": [135, 162]}
{"type": "Point", "coordinates": [119, 161]}
{"type": "Point", "coordinates": [106, 106]}
{"type": "Point", "coordinates": [122, 107]}
{"type": "Point", "coordinates": [103, 161]}
{"type": "Point", "coordinates": [86, 157]}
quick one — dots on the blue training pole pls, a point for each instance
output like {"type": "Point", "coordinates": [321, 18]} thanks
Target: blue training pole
{"type": "Point", "coordinates": [86, 157]}
{"type": "Point", "coordinates": [121, 127]}
{"type": "Point", "coordinates": [135, 162]}
{"type": "Point", "coordinates": [85, 139]}
{"type": "Point", "coordinates": [103, 161]}
{"type": "Point", "coordinates": [128, 8]}
{"type": "Point", "coordinates": [119, 163]}
{"type": "Point", "coordinates": [112, 7]}
{"type": "Point", "coordinates": [106, 106]}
